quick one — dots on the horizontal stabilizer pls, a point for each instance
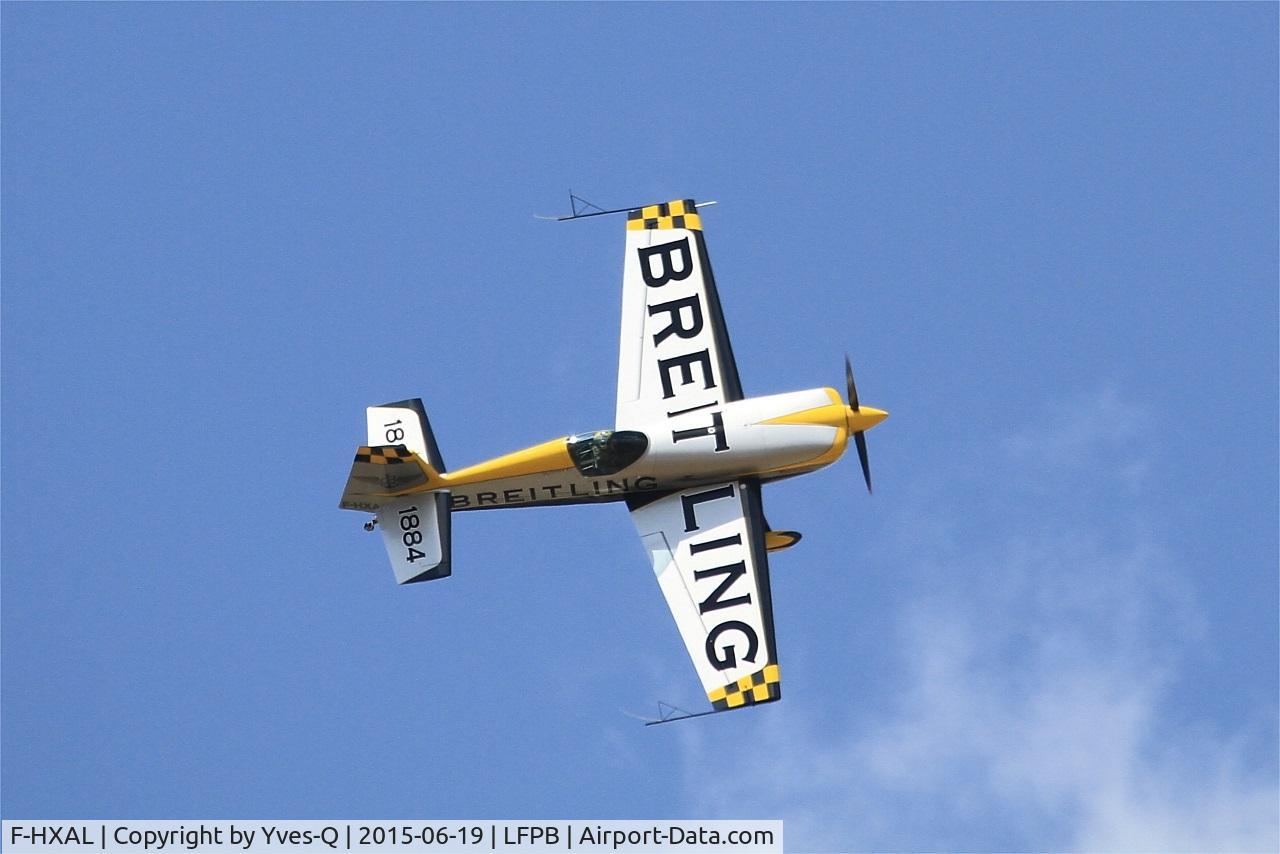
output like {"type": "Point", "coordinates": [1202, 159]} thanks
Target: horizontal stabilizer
{"type": "Point", "coordinates": [397, 477]}
{"type": "Point", "coordinates": [404, 422]}
{"type": "Point", "coordinates": [415, 531]}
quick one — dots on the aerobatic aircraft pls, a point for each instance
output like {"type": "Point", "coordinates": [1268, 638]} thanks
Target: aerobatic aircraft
{"type": "Point", "coordinates": [688, 455]}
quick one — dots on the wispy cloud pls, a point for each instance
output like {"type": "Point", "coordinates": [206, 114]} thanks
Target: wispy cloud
{"type": "Point", "coordinates": [1035, 708]}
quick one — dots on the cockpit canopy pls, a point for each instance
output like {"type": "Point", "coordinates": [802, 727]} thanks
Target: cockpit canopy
{"type": "Point", "coordinates": [606, 452]}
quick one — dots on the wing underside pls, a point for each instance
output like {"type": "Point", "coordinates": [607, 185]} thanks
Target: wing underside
{"type": "Point", "coordinates": [707, 549]}
{"type": "Point", "coordinates": [674, 353]}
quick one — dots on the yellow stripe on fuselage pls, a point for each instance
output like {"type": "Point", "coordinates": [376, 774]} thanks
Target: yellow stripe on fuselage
{"type": "Point", "coordinates": [547, 457]}
{"type": "Point", "coordinates": [831, 415]}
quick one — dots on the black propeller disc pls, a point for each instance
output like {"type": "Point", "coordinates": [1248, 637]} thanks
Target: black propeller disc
{"type": "Point", "coordinates": [858, 438]}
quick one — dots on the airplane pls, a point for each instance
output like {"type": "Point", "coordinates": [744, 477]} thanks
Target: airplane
{"type": "Point", "coordinates": [688, 455]}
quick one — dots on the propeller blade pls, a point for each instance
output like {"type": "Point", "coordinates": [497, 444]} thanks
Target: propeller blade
{"type": "Point", "coordinates": [850, 389]}
{"type": "Point", "coordinates": [861, 442]}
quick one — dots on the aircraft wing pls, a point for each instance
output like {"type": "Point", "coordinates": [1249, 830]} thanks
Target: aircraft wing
{"type": "Point", "coordinates": [674, 354]}
{"type": "Point", "coordinates": [708, 553]}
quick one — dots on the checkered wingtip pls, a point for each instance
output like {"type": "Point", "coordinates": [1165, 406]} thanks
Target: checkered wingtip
{"type": "Point", "coordinates": [763, 686]}
{"type": "Point", "coordinates": [677, 214]}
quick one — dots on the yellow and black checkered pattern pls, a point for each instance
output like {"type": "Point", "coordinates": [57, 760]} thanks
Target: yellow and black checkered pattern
{"type": "Point", "coordinates": [678, 214]}
{"type": "Point", "coordinates": [760, 687]}
{"type": "Point", "coordinates": [383, 454]}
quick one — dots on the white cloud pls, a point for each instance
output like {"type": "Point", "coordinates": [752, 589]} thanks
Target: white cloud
{"type": "Point", "coordinates": [1034, 707]}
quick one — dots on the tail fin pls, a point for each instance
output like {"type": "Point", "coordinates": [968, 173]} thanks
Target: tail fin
{"type": "Point", "coordinates": [397, 477]}
{"type": "Point", "coordinates": [381, 473]}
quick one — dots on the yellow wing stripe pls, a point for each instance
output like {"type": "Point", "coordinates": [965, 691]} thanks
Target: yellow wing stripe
{"type": "Point", "coordinates": [760, 687]}
{"type": "Point", "coordinates": [681, 213]}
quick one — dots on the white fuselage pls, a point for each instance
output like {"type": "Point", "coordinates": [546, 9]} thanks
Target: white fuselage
{"type": "Point", "coordinates": [711, 444]}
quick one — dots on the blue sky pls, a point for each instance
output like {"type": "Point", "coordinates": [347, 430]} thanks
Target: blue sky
{"type": "Point", "coordinates": [1046, 234]}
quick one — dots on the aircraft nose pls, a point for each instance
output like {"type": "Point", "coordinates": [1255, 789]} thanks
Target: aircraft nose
{"type": "Point", "coordinates": [863, 418]}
